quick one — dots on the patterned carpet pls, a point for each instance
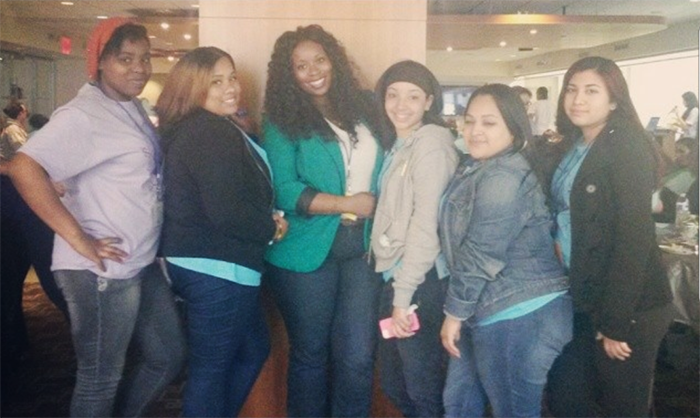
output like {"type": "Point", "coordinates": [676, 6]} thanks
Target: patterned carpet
{"type": "Point", "coordinates": [47, 372]}
{"type": "Point", "coordinates": [43, 386]}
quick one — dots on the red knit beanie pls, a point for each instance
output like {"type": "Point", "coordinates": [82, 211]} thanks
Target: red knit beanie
{"type": "Point", "coordinates": [97, 41]}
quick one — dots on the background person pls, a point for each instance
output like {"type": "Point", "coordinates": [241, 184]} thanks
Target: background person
{"type": "Point", "coordinates": [218, 223]}
{"type": "Point", "coordinates": [107, 226]}
{"type": "Point", "coordinates": [542, 112]}
{"type": "Point", "coordinates": [15, 133]}
{"type": "Point", "coordinates": [37, 121]}
{"type": "Point", "coordinates": [507, 312]}
{"type": "Point", "coordinates": [688, 121]}
{"type": "Point", "coordinates": [679, 177]}
{"type": "Point", "coordinates": [405, 241]}
{"type": "Point", "coordinates": [324, 147]}
{"type": "Point", "coordinates": [606, 237]}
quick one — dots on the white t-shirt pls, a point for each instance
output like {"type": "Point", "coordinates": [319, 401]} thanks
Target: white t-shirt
{"type": "Point", "coordinates": [692, 124]}
{"type": "Point", "coordinates": [359, 158]}
{"type": "Point", "coordinates": [543, 118]}
{"type": "Point", "coordinates": [100, 149]}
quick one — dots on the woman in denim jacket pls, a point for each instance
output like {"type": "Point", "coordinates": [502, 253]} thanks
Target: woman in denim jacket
{"type": "Point", "coordinates": [507, 312]}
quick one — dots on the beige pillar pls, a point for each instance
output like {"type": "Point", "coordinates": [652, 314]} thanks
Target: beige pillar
{"type": "Point", "coordinates": [375, 33]}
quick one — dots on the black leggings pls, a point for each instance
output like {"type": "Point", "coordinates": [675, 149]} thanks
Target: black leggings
{"type": "Point", "coordinates": [585, 382]}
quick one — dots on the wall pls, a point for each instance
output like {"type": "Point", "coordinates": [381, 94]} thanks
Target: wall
{"type": "Point", "coordinates": [375, 33]}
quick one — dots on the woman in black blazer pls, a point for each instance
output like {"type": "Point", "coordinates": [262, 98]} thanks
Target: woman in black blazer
{"type": "Point", "coordinates": [601, 194]}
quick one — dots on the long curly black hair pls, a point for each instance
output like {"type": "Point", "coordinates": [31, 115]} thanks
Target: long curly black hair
{"type": "Point", "coordinates": [293, 111]}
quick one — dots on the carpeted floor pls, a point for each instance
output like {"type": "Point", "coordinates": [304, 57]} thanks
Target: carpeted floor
{"type": "Point", "coordinates": [46, 375]}
{"type": "Point", "coordinates": [43, 386]}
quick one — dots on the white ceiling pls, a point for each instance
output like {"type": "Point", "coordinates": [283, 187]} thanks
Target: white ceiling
{"type": "Point", "coordinates": [468, 26]}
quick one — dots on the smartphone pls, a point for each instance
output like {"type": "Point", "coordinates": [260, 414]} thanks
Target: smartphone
{"type": "Point", "coordinates": [386, 325]}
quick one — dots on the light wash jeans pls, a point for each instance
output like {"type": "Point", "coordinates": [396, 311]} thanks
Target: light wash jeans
{"type": "Point", "coordinates": [506, 363]}
{"type": "Point", "coordinates": [106, 315]}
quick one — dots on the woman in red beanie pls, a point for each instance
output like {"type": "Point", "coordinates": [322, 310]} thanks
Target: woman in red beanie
{"type": "Point", "coordinates": [104, 149]}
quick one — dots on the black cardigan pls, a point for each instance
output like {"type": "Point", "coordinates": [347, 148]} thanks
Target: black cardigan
{"type": "Point", "coordinates": [616, 269]}
{"type": "Point", "coordinates": [218, 194]}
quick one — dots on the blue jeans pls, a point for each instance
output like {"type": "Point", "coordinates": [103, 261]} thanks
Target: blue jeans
{"type": "Point", "coordinates": [506, 363]}
{"type": "Point", "coordinates": [331, 318]}
{"type": "Point", "coordinates": [106, 315]}
{"type": "Point", "coordinates": [228, 342]}
{"type": "Point", "coordinates": [412, 370]}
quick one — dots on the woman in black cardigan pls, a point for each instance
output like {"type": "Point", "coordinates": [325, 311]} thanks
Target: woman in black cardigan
{"type": "Point", "coordinates": [218, 222]}
{"type": "Point", "coordinates": [601, 194]}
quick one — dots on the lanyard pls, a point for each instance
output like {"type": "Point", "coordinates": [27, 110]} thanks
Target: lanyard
{"type": "Point", "coordinates": [150, 132]}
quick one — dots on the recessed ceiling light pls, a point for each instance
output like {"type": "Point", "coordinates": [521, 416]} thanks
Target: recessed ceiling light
{"type": "Point", "coordinates": [533, 31]}
{"type": "Point", "coordinates": [449, 49]}
{"type": "Point", "coordinates": [67, 3]}
{"type": "Point", "coordinates": [103, 17]}
{"type": "Point", "coordinates": [196, 6]}
{"type": "Point", "coordinates": [171, 58]}
{"type": "Point", "coordinates": [165, 25]}
{"type": "Point", "coordinates": [187, 36]}
{"type": "Point", "coordinates": [503, 43]}
{"type": "Point", "coordinates": [152, 36]}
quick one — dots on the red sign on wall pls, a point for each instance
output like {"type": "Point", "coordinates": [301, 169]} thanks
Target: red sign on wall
{"type": "Point", "coordinates": [66, 45]}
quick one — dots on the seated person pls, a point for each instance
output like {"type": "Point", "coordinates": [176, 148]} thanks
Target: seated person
{"type": "Point", "coordinates": [681, 177]}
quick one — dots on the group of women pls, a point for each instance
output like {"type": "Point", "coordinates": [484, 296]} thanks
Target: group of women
{"type": "Point", "coordinates": [357, 208]}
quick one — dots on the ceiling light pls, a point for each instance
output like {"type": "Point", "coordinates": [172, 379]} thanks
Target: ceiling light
{"type": "Point", "coordinates": [152, 36]}
{"type": "Point", "coordinates": [449, 49]}
{"type": "Point", "coordinates": [503, 43]}
{"type": "Point", "coordinates": [171, 58]}
{"type": "Point", "coordinates": [165, 25]}
{"type": "Point", "coordinates": [196, 6]}
{"type": "Point", "coordinates": [533, 31]}
{"type": "Point", "coordinates": [103, 17]}
{"type": "Point", "coordinates": [187, 36]}
{"type": "Point", "coordinates": [67, 3]}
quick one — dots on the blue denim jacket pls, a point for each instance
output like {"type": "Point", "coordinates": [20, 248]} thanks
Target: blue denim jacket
{"type": "Point", "coordinates": [495, 232]}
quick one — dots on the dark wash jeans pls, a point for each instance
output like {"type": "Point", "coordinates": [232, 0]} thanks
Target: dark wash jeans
{"type": "Point", "coordinates": [227, 339]}
{"type": "Point", "coordinates": [106, 315]}
{"type": "Point", "coordinates": [412, 370]}
{"type": "Point", "coordinates": [331, 318]}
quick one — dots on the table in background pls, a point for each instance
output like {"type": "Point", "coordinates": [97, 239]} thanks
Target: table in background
{"type": "Point", "coordinates": [682, 271]}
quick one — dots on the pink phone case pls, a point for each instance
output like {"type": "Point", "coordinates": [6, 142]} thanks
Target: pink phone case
{"type": "Point", "coordinates": [388, 330]}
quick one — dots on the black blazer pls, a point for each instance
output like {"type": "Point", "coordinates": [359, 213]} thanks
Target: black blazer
{"type": "Point", "coordinates": [616, 269]}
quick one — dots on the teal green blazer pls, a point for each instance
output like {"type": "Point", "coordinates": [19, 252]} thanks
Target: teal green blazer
{"type": "Point", "coordinates": [296, 165]}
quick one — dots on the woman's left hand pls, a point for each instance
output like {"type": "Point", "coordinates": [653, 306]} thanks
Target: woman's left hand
{"type": "Point", "coordinates": [616, 350]}
{"type": "Point", "coordinates": [282, 226]}
{"type": "Point", "coordinates": [449, 334]}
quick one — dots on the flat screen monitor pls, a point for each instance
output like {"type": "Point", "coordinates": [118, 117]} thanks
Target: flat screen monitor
{"type": "Point", "coordinates": [653, 123]}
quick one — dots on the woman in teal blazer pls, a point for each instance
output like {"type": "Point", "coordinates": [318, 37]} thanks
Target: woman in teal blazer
{"type": "Point", "coordinates": [325, 150]}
